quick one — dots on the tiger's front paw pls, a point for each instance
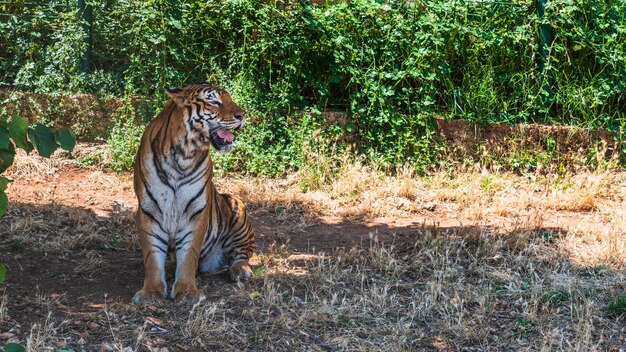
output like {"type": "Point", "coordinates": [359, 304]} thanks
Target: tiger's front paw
{"type": "Point", "coordinates": [148, 297]}
{"type": "Point", "coordinates": [187, 293]}
{"type": "Point", "coordinates": [240, 271]}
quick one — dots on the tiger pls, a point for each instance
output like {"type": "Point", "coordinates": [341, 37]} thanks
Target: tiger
{"type": "Point", "coordinates": [179, 208]}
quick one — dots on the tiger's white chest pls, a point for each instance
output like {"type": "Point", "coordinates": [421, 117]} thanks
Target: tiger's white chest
{"type": "Point", "coordinates": [176, 206]}
{"type": "Point", "coordinates": [174, 201]}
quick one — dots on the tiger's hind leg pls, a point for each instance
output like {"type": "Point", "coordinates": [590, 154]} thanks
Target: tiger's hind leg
{"type": "Point", "coordinates": [240, 271]}
{"type": "Point", "coordinates": [240, 244]}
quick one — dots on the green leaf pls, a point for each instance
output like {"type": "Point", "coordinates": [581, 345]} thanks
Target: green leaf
{"type": "Point", "coordinates": [66, 139]}
{"type": "Point", "coordinates": [18, 128]}
{"type": "Point", "coordinates": [175, 23]}
{"type": "Point", "coordinates": [4, 136]}
{"type": "Point", "coordinates": [3, 273]}
{"type": "Point", "coordinates": [6, 157]}
{"type": "Point", "coordinates": [4, 202]}
{"type": "Point", "coordinates": [13, 347]}
{"type": "Point", "coordinates": [334, 79]}
{"type": "Point", "coordinates": [43, 138]}
{"type": "Point", "coordinates": [3, 183]}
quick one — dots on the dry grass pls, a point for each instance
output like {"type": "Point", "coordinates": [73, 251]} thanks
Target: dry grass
{"type": "Point", "coordinates": [504, 262]}
{"type": "Point", "coordinates": [62, 229]}
{"type": "Point", "coordinates": [34, 165]}
{"type": "Point", "coordinates": [444, 290]}
{"type": "Point", "coordinates": [572, 202]}
{"type": "Point", "coordinates": [3, 307]}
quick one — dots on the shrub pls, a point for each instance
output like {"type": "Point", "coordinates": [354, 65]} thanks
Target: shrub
{"type": "Point", "coordinates": [392, 66]}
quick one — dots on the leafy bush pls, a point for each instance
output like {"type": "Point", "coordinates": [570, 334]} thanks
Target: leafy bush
{"type": "Point", "coordinates": [124, 139]}
{"type": "Point", "coordinates": [283, 138]}
{"type": "Point", "coordinates": [392, 66]}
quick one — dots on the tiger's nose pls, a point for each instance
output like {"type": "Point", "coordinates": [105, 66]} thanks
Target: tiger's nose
{"type": "Point", "coordinates": [240, 116]}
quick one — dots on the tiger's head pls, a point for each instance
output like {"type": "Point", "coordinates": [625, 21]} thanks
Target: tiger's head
{"type": "Point", "coordinates": [210, 114]}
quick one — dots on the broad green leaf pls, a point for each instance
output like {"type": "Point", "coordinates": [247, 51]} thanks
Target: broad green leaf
{"type": "Point", "coordinates": [13, 347]}
{"type": "Point", "coordinates": [43, 138]}
{"type": "Point", "coordinates": [4, 201]}
{"type": "Point", "coordinates": [3, 183]}
{"type": "Point", "coordinates": [18, 128]}
{"type": "Point", "coordinates": [6, 157]}
{"type": "Point", "coordinates": [4, 136]}
{"type": "Point", "coordinates": [66, 139]}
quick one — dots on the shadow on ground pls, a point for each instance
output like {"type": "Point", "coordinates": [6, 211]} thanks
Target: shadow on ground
{"type": "Point", "coordinates": [78, 267]}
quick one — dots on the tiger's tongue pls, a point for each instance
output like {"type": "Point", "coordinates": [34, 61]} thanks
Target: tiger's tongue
{"type": "Point", "coordinates": [227, 135]}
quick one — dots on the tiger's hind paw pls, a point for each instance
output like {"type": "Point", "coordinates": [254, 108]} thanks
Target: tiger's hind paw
{"type": "Point", "coordinates": [240, 271]}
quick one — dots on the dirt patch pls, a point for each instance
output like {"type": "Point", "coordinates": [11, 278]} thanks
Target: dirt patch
{"type": "Point", "coordinates": [471, 262]}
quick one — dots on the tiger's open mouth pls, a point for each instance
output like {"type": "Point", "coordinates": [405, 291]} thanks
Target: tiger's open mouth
{"type": "Point", "coordinates": [222, 139]}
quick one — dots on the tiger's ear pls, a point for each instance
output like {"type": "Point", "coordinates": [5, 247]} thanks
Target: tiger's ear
{"type": "Point", "coordinates": [177, 95]}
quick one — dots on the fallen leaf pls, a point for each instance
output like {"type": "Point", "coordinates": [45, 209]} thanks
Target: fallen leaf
{"type": "Point", "coordinates": [154, 321]}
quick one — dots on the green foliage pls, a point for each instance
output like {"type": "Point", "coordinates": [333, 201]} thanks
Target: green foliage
{"type": "Point", "coordinates": [18, 128]}
{"type": "Point", "coordinates": [248, 155]}
{"type": "Point", "coordinates": [522, 326]}
{"type": "Point", "coordinates": [486, 183]}
{"type": "Point", "coordinates": [4, 136]}
{"type": "Point", "coordinates": [124, 139]}
{"type": "Point", "coordinates": [17, 133]}
{"type": "Point", "coordinates": [3, 273]}
{"type": "Point", "coordinates": [3, 197]}
{"type": "Point", "coordinates": [556, 298]}
{"type": "Point", "coordinates": [617, 304]}
{"type": "Point", "coordinates": [276, 145]}
{"type": "Point", "coordinates": [66, 139]}
{"type": "Point", "coordinates": [16, 245]}
{"type": "Point", "coordinates": [13, 347]}
{"type": "Point", "coordinates": [92, 159]}
{"type": "Point", "coordinates": [392, 66]}
{"type": "Point", "coordinates": [44, 139]}
{"type": "Point", "coordinates": [7, 150]}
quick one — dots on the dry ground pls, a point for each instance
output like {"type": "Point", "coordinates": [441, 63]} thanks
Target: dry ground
{"type": "Point", "coordinates": [468, 262]}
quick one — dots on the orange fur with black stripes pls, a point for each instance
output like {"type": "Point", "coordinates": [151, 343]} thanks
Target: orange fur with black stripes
{"type": "Point", "coordinates": [179, 207]}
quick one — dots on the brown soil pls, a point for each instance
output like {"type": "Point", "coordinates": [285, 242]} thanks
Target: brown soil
{"type": "Point", "coordinates": [69, 245]}
{"type": "Point", "coordinates": [47, 279]}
